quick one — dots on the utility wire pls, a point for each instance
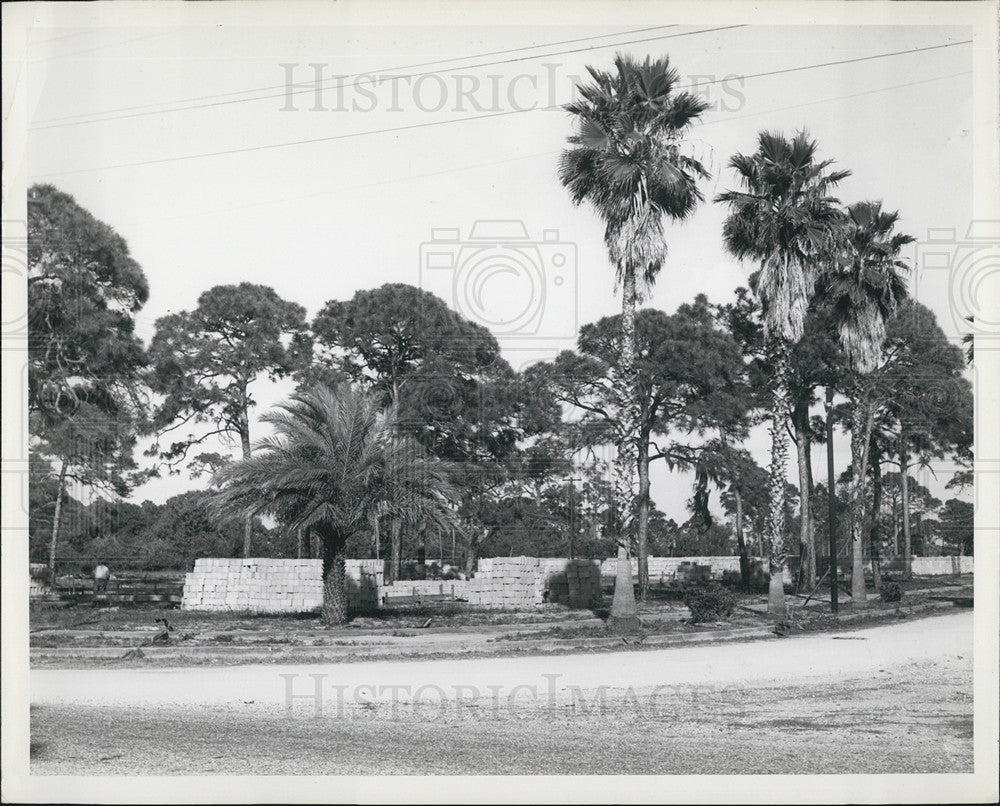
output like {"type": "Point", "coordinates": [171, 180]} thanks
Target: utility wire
{"type": "Point", "coordinates": [55, 122]}
{"type": "Point", "coordinates": [520, 157]}
{"type": "Point", "coordinates": [350, 135]}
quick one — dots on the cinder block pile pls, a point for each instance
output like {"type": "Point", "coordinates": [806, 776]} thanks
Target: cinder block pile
{"type": "Point", "coordinates": [506, 583]}
{"type": "Point", "coordinates": [576, 583]}
{"type": "Point", "coordinates": [664, 569]}
{"type": "Point", "coordinates": [255, 585]}
{"type": "Point", "coordinates": [364, 581]}
{"type": "Point", "coordinates": [37, 585]}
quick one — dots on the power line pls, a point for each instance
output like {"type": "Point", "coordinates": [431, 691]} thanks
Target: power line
{"type": "Point", "coordinates": [842, 61]}
{"type": "Point", "coordinates": [554, 153]}
{"type": "Point", "coordinates": [350, 135]}
{"type": "Point", "coordinates": [836, 98]}
{"type": "Point", "coordinates": [55, 122]}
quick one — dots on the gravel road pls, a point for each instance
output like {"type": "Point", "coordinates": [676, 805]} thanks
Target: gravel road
{"type": "Point", "coordinates": [895, 698]}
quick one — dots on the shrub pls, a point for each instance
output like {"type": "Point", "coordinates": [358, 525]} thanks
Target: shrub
{"type": "Point", "coordinates": [709, 602]}
{"type": "Point", "coordinates": [890, 591]}
{"type": "Point", "coordinates": [731, 579]}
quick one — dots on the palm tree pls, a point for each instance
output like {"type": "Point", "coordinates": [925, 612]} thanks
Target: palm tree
{"type": "Point", "coordinates": [863, 292]}
{"type": "Point", "coordinates": [785, 220]}
{"type": "Point", "coordinates": [627, 160]}
{"type": "Point", "coordinates": [334, 462]}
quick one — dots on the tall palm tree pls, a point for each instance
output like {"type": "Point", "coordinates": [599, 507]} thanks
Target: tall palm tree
{"type": "Point", "coordinates": [785, 219]}
{"type": "Point", "coordinates": [627, 159]}
{"type": "Point", "coordinates": [863, 292]}
{"type": "Point", "coordinates": [334, 461]}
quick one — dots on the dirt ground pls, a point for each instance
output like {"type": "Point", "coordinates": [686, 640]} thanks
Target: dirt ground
{"type": "Point", "coordinates": [84, 636]}
{"type": "Point", "coordinates": [886, 699]}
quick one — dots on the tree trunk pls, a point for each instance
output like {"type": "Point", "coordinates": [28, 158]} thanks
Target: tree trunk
{"type": "Point", "coordinates": [875, 535]}
{"type": "Point", "coordinates": [807, 559]}
{"type": "Point", "coordinates": [471, 555]}
{"type": "Point", "coordinates": [812, 518]}
{"type": "Point", "coordinates": [831, 503]}
{"type": "Point", "coordinates": [627, 456]}
{"type": "Point", "coordinates": [395, 551]}
{"type": "Point", "coordinates": [422, 553]}
{"type": "Point", "coordinates": [377, 538]}
{"type": "Point", "coordinates": [334, 591]}
{"type": "Point", "coordinates": [298, 544]}
{"type": "Point", "coordinates": [904, 489]}
{"type": "Point", "coordinates": [859, 459]}
{"type": "Point", "coordinates": [741, 542]}
{"type": "Point", "coordinates": [245, 444]}
{"type": "Point", "coordinates": [643, 523]}
{"type": "Point", "coordinates": [624, 618]}
{"type": "Point", "coordinates": [777, 478]}
{"type": "Point", "coordinates": [56, 517]}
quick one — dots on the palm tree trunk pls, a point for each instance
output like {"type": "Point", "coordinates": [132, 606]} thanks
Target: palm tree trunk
{"type": "Point", "coordinates": [626, 458]}
{"type": "Point", "coordinates": [904, 487]}
{"type": "Point", "coordinates": [643, 520]}
{"type": "Point", "coordinates": [831, 504]}
{"type": "Point", "coordinates": [807, 558]}
{"type": "Point", "coordinates": [860, 419]}
{"type": "Point", "coordinates": [334, 574]}
{"type": "Point", "coordinates": [812, 518]}
{"type": "Point", "coordinates": [875, 534]}
{"type": "Point", "coordinates": [56, 517]}
{"type": "Point", "coordinates": [777, 477]}
{"type": "Point", "coordinates": [624, 618]}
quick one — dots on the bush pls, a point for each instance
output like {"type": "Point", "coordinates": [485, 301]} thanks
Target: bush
{"type": "Point", "coordinates": [709, 602]}
{"type": "Point", "coordinates": [890, 591]}
{"type": "Point", "coordinates": [732, 579]}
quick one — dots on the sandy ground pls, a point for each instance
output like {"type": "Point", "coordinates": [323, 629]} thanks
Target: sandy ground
{"type": "Point", "coordinates": [893, 698]}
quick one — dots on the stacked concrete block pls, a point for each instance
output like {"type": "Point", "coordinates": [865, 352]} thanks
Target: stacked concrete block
{"type": "Point", "coordinates": [664, 569]}
{"type": "Point", "coordinates": [255, 585]}
{"type": "Point", "coordinates": [506, 583]}
{"type": "Point", "coordinates": [518, 583]}
{"type": "Point", "coordinates": [576, 583]}
{"type": "Point", "coordinates": [940, 566]}
{"type": "Point", "coordinates": [37, 576]}
{"type": "Point", "coordinates": [364, 580]}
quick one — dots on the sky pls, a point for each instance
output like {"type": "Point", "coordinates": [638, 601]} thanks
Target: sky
{"type": "Point", "coordinates": [190, 142]}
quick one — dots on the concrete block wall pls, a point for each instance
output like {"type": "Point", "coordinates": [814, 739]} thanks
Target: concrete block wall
{"type": "Point", "coordinates": [942, 566]}
{"type": "Point", "coordinates": [254, 585]}
{"type": "Point", "coordinates": [264, 585]}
